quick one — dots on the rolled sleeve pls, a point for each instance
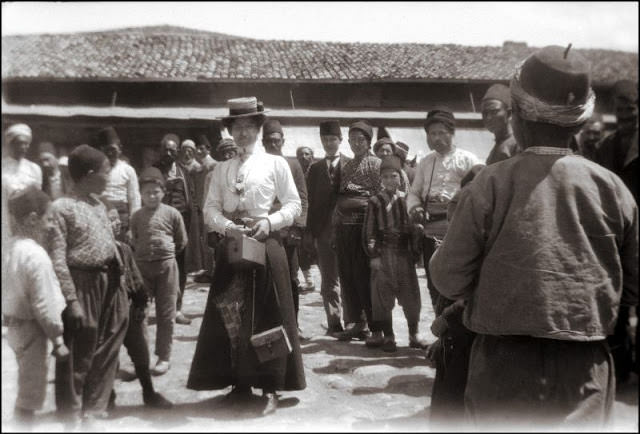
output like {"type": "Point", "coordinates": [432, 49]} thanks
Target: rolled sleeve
{"type": "Point", "coordinates": [414, 196]}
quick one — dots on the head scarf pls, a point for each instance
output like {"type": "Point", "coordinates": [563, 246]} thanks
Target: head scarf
{"type": "Point", "coordinates": [188, 144]}
{"type": "Point", "coordinates": [17, 130]}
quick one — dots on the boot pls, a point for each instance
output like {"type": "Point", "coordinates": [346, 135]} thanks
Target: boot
{"type": "Point", "coordinates": [375, 340]}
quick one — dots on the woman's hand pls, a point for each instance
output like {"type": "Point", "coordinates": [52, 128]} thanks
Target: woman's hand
{"type": "Point", "coordinates": [234, 229]}
{"type": "Point", "coordinates": [261, 229]}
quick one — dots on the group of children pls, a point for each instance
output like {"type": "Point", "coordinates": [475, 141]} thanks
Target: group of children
{"type": "Point", "coordinates": [34, 306]}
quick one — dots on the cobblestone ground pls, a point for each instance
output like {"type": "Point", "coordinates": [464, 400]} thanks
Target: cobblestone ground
{"type": "Point", "coordinates": [349, 387]}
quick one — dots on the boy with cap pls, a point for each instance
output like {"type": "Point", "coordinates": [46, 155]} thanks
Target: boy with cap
{"type": "Point", "coordinates": [360, 180]}
{"type": "Point", "coordinates": [496, 116]}
{"type": "Point", "coordinates": [393, 271]}
{"type": "Point", "coordinates": [544, 248]}
{"type": "Point", "coordinates": [324, 183]}
{"type": "Point", "coordinates": [88, 266]}
{"type": "Point", "coordinates": [158, 235]}
{"type": "Point", "coordinates": [32, 302]}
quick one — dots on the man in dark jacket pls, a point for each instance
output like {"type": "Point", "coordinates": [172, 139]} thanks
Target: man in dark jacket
{"type": "Point", "coordinates": [324, 184]}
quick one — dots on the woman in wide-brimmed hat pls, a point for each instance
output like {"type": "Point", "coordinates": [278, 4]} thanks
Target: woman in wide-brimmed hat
{"type": "Point", "coordinates": [240, 303]}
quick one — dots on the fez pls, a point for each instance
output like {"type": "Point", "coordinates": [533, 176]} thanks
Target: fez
{"type": "Point", "coordinates": [391, 162]}
{"type": "Point", "coordinates": [499, 92]}
{"type": "Point", "coordinates": [108, 136]}
{"type": "Point", "coordinates": [203, 141]}
{"type": "Point", "coordinates": [442, 115]}
{"type": "Point", "coordinates": [28, 200]}
{"type": "Point", "coordinates": [626, 89]}
{"type": "Point", "coordinates": [330, 128]}
{"type": "Point", "coordinates": [151, 175]}
{"type": "Point", "coordinates": [364, 127]}
{"type": "Point", "coordinates": [556, 76]}
{"type": "Point", "coordinates": [84, 159]}
{"type": "Point", "coordinates": [384, 141]}
{"type": "Point", "coordinates": [271, 126]}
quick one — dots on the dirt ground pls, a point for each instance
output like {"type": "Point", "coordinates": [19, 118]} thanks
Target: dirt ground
{"type": "Point", "coordinates": [349, 387]}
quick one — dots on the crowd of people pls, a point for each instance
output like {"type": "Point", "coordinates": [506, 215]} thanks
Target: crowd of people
{"type": "Point", "coordinates": [531, 257]}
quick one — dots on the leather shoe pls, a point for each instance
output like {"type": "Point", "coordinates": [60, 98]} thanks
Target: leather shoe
{"type": "Point", "coordinates": [389, 345]}
{"type": "Point", "coordinates": [156, 400]}
{"type": "Point", "coordinates": [358, 331]}
{"type": "Point", "coordinates": [417, 342]}
{"type": "Point", "coordinates": [375, 340]}
{"type": "Point", "coordinates": [333, 330]}
{"type": "Point", "coordinates": [239, 393]}
{"type": "Point", "coordinates": [161, 367]}
{"type": "Point", "coordinates": [272, 404]}
{"type": "Point", "coordinates": [181, 319]}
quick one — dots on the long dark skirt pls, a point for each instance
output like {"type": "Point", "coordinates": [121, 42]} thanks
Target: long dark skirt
{"type": "Point", "coordinates": [212, 366]}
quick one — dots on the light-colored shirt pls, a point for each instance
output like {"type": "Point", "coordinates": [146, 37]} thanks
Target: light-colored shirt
{"type": "Point", "coordinates": [261, 179]}
{"type": "Point", "coordinates": [17, 175]}
{"type": "Point", "coordinates": [448, 170]}
{"type": "Point", "coordinates": [123, 186]}
{"type": "Point", "coordinates": [543, 244]}
{"type": "Point", "coordinates": [30, 289]}
{"type": "Point", "coordinates": [158, 234]}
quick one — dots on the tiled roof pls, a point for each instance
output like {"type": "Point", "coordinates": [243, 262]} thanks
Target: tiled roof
{"type": "Point", "coordinates": [174, 53]}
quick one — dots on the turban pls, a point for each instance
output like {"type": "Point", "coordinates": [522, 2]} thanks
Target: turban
{"type": "Point", "coordinates": [24, 202]}
{"type": "Point", "coordinates": [391, 162]}
{"type": "Point", "coordinates": [384, 141]}
{"type": "Point", "coordinates": [18, 130]}
{"type": "Point", "coordinates": [271, 126]}
{"type": "Point", "coordinates": [499, 92]}
{"type": "Point", "coordinates": [225, 145]}
{"type": "Point", "coordinates": [188, 144]}
{"type": "Point", "coordinates": [83, 159]}
{"type": "Point", "coordinates": [626, 89]}
{"type": "Point", "coordinates": [47, 147]}
{"type": "Point", "coordinates": [151, 175]}
{"type": "Point", "coordinates": [170, 138]}
{"type": "Point", "coordinates": [330, 128]}
{"type": "Point", "coordinates": [442, 115]}
{"type": "Point", "coordinates": [552, 86]}
{"type": "Point", "coordinates": [364, 127]}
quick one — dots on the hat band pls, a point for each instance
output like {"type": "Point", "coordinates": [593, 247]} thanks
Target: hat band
{"type": "Point", "coordinates": [533, 109]}
{"type": "Point", "coordinates": [243, 111]}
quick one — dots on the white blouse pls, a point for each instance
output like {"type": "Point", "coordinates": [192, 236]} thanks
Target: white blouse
{"type": "Point", "coordinates": [251, 187]}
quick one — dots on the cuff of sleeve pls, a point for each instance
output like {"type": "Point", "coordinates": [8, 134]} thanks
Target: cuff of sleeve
{"type": "Point", "coordinates": [276, 220]}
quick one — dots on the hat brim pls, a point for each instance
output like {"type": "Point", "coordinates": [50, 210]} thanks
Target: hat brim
{"type": "Point", "coordinates": [244, 115]}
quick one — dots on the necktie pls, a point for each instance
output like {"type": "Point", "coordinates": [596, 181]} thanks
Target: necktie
{"type": "Point", "coordinates": [331, 158]}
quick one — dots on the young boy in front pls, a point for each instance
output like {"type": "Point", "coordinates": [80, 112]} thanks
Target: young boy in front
{"type": "Point", "coordinates": [32, 302]}
{"type": "Point", "coordinates": [393, 272]}
{"type": "Point", "coordinates": [158, 234]}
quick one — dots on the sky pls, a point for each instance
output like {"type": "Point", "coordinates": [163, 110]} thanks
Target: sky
{"type": "Point", "coordinates": [608, 25]}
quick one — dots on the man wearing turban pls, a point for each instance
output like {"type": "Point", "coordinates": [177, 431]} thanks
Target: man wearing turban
{"type": "Point", "coordinates": [543, 247]}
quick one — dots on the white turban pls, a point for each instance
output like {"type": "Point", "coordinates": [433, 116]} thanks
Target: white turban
{"type": "Point", "coordinates": [17, 130]}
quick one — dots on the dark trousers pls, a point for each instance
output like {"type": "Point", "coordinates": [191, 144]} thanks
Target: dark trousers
{"type": "Point", "coordinates": [355, 275]}
{"type": "Point", "coordinates": [330, 285]}
{"type": "Point", "coordinates": [84, 381]}
{"type": "Point", "coordinates": [519, 382]}
{"type": "Point", "coordinates": [292, 260]}
{"type": "Point", "coordinates": [621, 345]}
{"type": "Point", "coordinates": [428, 249]}
{"type": "Point", "coordinates": [135, 341]}
{"type": "Point", "coordinates": [306, 254]}
{"type": "Point", "coordinates": [180, 259]}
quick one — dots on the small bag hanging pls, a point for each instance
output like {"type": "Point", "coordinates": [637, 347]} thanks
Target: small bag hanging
{"type": "Point", "coordinates": [269, 344]}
